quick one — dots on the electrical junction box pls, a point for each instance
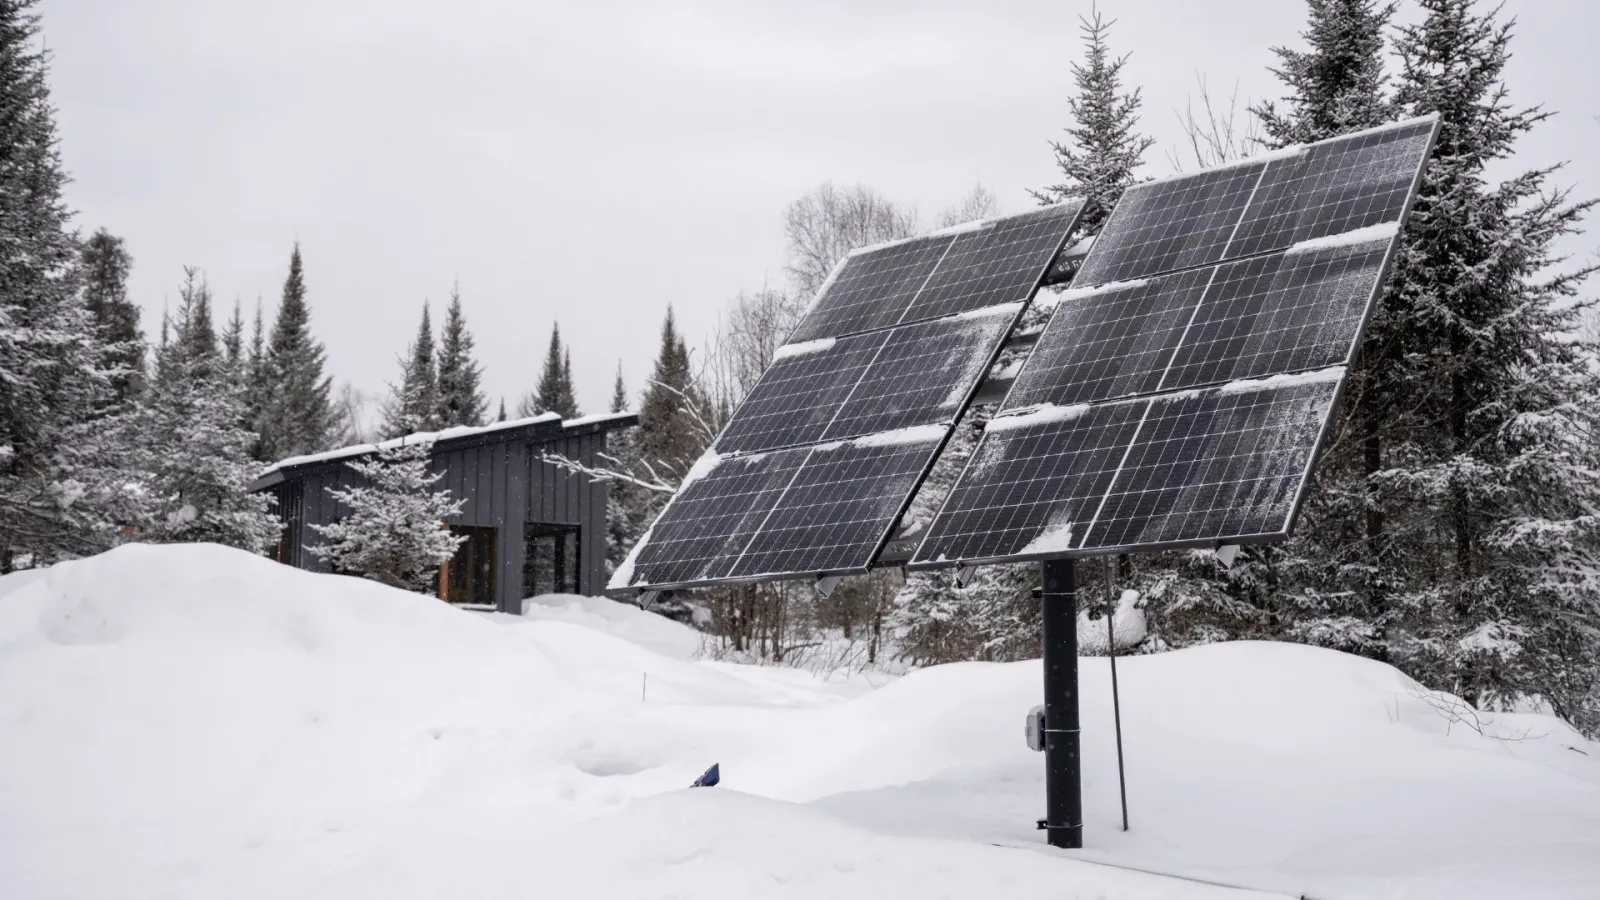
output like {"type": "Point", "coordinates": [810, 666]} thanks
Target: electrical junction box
{"type": "Point", "coordinates": [1034, 729]}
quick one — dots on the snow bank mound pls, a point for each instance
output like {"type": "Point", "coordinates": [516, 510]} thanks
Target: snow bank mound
{"type": "Point", "coordinates": [725, 845]}
{"type": "Point", "coordinates": [195, 722]}
{"type": "Point", "coordinates": [622, 620]}
{"type": "Point", "coordinates": [162, 705]}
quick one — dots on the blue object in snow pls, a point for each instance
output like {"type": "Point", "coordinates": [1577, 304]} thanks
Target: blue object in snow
{"type": "Point", "coordinates": [710, 778]}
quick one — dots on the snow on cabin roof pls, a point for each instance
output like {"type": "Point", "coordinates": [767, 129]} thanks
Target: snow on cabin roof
{"type": "Point", "coordinates": [448, 434]}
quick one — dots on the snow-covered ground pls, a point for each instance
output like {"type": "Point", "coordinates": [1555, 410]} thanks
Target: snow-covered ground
{"type": "Point", "coordinates": [193, 722]}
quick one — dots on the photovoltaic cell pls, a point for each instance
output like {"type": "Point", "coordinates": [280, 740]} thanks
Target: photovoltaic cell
{"type": "Point", "coordinates": [1182, 388]}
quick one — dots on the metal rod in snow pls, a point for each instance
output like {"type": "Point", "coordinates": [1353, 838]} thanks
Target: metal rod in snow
{"type": "Point", "coordinates": [1116, 700]}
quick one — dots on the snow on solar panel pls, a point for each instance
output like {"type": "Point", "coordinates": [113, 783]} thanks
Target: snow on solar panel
{"type": "Point", "coordinates": [821, 458]}
{"type": "Point", "coordinates": [1260, 205]}
{"type": "Point", "coordinates": [1181, 390]}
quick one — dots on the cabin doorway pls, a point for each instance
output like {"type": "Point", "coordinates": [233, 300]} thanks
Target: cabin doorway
{"type": "Point", "coordinates": [469, 576]}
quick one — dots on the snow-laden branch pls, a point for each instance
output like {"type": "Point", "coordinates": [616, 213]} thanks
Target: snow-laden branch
{"type": "Point", "coordinates": [606, 473]}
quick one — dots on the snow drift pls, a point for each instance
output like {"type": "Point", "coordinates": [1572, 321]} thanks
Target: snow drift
{"type": "Point", "coordinates": [197, 722]}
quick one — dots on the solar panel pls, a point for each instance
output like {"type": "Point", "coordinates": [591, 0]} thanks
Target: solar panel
{"type": "Point", "coordinates": [820, 460]}
{"type": "Point", "coordinates": [1001, 263]}
{"type": "Point", "coordinates": [1223, 463]}
{"type": "Point", "coordinates": [1030, 477]}
{"type": "Point", "coordinates": [1282, 312]}
{"type": "Point", "coordinates": [871, 288]}
{"type": "Point", "coordinates": [836, 389]}
{"type": "Point", "coordinates": [840, 507]}
{"type": "Point", "coordinates": [1180, 392]}
{"type": "Point", "coordinates": [711, 518]}
{"type": "Point", "coordinates": [962, 268]}
{"type": "Point", "coordinates": [1257, 206]}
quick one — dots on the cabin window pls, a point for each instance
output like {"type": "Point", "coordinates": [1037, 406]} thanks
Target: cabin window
{"type": "Point", "coordinates": [551, 563]}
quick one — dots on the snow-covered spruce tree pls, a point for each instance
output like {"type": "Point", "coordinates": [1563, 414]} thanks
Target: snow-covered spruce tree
{"type": "Point", "coordinates": [554, 392]}
{"type": "Point", "coordinates": [62, 487]}
{"type": "Point", "coordinates": [255, 379]}
{"type": "Point", "coordinates": [195, 457]}
{"type": "Point", "coordinates": [296, 411]}
{"type": "Point", "coordinates": [673, 415]}
{"type": "Point", "coordinates": [461, 400]}
{"type": "Point", "coordinates": [1337, 84]}
{"type": "Point", "coordinates": [106, 265]}
{"type": "Point", "coordinates": [396, 530]}
{"type": "Point", "coordinates": [622, 514]}
{"type": "Point", "coordinates": [1496, 496]}
{"type": "Point", "coordinates": [233, 347]}
{"type": "Point", "coordinates": [1103, 146]}
{"type": "Point", "coordinates": [1326, 586]}
{"type": "Point", "coordinates": [413, 404]}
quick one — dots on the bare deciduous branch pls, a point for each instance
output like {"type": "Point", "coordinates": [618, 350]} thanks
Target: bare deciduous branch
{"type": "Point", "coordinates": [1216, 134]}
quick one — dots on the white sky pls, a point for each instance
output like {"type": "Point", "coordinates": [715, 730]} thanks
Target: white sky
{"type": "Point", "coordinates": [591, 162]}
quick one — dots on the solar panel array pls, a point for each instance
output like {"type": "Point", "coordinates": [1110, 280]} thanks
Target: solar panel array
{"type": "Point", "coordinates": [822, 457]}
{"type": "Point", "coordinates": [1180, 391]}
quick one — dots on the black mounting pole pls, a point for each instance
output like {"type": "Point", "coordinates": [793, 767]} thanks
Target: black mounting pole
{"type": "Point", "coordinates": [1116, 698]}
{"type": "Point", "coordinates": [1063, 789]}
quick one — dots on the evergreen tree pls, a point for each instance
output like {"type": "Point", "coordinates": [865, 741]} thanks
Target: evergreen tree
{"type": "Point", "coordinates": [1103, 146]}
{"type": "Point", "coordinates": [501, 416]}
{"type": "Point", "coordinates": [461, 400]}
{"type": "Point", "coordinates": [233, 346]}
{"type": "Point", "coordinates": [619, 392]}
{"type": "Point", "coordinates": [106, 264]}
{"type": "Point", "coordinates": [554, 393]}
{"type": "Point", "coordinates": [1337, 85]}
{"type": "Point", "coordinates": [296, 409]}
{"type": "Point", "coordinates": [673, 431]}
{"type": "Point", "coordinates": [194, 455]}
{"type": "Point", "coordinates": [414, 403]}
{"type": "Point", "coordinates": [624, 505]}
{"type": "Point", "coordinates": [566, 375]}
{"type": "Point", "coordinates": [196, 337]}
{"type": "Point", "coordinates": [1493, 498]}
{"type": "Point", "coordinates": [1328, 585]}
{"type": "Point", "coordinates": [672, 413]}
{"type": "Point", "coordinates": [61, 488]}
{"type": "Point", "coordinates": [395, 532]}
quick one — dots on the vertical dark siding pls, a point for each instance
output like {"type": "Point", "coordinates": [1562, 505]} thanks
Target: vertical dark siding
{"type": "Point", "coordinates": [504, 485]}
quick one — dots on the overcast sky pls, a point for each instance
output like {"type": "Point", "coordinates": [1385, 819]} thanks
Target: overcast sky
{"type": "Point", "coordinates": [592, 162]}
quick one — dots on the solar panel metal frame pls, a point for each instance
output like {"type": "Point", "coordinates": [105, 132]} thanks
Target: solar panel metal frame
{"type": "Point", "coordinates": [1380, 285]}
{"type": "Point", "coordinates": [1072, 219]}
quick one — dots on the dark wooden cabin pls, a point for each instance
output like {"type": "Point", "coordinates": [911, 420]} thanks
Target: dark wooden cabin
{"type": "Point", "coordinates": [532, 527]}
